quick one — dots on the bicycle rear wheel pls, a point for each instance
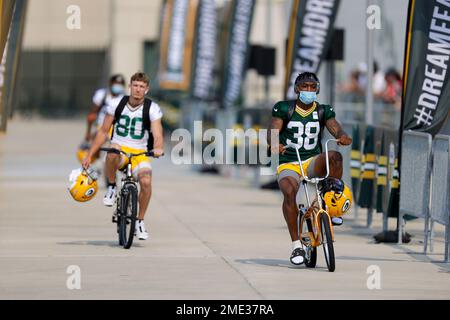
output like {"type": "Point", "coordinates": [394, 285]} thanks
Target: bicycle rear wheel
{"type": "Point", "coordinates": [127, 219]}
{"type": "Point", "coordinates": [312, 259]}
{"type": "Point", "coordinates": [327, 241]}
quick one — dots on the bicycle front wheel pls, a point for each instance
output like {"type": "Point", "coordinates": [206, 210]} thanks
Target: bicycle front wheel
{"type": "Point", "coordinates": [127, 220]}
{"type": "Point", "coordinates": [327, 241]}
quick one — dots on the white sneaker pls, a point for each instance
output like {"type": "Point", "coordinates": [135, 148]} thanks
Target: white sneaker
{"type": "Point", "coordinates": [298, 256]}
{"type": "Point", "coordinates": [140, 230]}
{"type": "Point", "coordinates": [110, 196]}
{"type": "Point", "coordinates": [336, 221]}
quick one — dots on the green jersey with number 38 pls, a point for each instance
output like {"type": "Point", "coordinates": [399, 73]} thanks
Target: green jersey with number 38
{"type": "Point", "coordinates": [303, 129]}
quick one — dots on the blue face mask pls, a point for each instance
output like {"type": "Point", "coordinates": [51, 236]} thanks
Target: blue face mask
{"type": "Point", "coordinates": [307, 97]}
{"type": "Point", "coordinates": [117, 89]}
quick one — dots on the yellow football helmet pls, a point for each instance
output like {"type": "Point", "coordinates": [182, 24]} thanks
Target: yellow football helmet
{"type": "Point", "coordinates": [82, 151]}
{"type": "Point", "coordinates": [337, 196]}
{"type": "Point", "coordinates": [83, 184]}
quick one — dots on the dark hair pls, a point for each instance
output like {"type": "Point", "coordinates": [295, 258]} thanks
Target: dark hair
{"type": "Point", "coordinates": [394, 73]}
{"type": "Point", "coordinates": [140, 76]}
{"type": "Point", "coordinates": [117, 78]}
{"type": "Point", "coordinates": [308, 77]}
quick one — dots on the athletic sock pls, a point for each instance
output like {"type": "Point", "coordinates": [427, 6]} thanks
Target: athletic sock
{"type": "Point", "coordinates": [296, 244]}
{"type": "Point", "coordinates": [111, 184]}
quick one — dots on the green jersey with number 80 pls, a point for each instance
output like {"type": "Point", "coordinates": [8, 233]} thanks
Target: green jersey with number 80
{"type": "Point", "coordinates": [303, 129]}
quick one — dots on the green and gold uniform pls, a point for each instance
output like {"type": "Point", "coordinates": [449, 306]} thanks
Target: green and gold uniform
{"type": "Point", "coordinates": [303, 129]}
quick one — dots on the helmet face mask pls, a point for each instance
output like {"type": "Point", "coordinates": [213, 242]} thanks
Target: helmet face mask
{"type": "Point", "coordinates": [337, 196]}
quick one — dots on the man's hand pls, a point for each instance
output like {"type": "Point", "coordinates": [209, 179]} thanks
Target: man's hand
{"type": "Point", "coordinates": [344, 140]}
{"type": "Point", "coordinates": [86, 162]}
{"type": "Point", "coordinates": [336, 131]}
{"type": "Point", "coordinates": [281, 149]}
{"type": "Point", "coordinates": [158, 153]}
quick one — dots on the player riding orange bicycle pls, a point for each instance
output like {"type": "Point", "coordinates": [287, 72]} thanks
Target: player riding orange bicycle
{"type": "Point", "coordinates": [301, 122]}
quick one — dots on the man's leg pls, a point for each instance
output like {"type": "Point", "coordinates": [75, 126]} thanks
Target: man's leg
{"type": "Point", "coordinates": [289, 182]}
{"type": "Point", "coordinates": [318, 167]}
{"type": "Point", "coordinates": [289, 187]}
{"type": "Point", "coordinates": [145, 181]}
{"type": "Point", "coordinates": [112, 163]}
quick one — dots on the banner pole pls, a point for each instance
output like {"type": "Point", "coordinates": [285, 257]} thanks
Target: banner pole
{"type": "Point", "coordinates": [369, 74]}
{"type": "Point", "coordinates": [268, 42]}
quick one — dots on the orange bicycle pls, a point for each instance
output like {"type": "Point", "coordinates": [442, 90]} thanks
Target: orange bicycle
{"type": "Point", "coordinates": [314, 222]}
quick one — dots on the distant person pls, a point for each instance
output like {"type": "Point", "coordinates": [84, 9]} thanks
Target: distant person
{"type": "Point", "coordinates": [130, 135]}
{"type": "Point", "coordinates": [378, 81]}
{"type": "Point", "coordinates": [351, 89]}
{"type": "Point", "coordinates": [301, 122]}
{"type": "Point", "coordinates": [393, 92]}
{"type": "Point", "coordinates": [102, 99]}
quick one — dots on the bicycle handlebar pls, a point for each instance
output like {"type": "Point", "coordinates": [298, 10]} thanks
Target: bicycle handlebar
{"type": "Point", "coordinates": [130, 155]}
{"type": "Point", "coordinates": [327, 161]}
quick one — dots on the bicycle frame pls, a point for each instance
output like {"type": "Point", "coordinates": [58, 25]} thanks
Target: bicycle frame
{"type": "Point", "coordinates": [313, 212]}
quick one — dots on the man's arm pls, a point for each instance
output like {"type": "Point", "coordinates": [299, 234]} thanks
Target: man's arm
{"type": "Point", "coordinates": [91, 117]}
{"type": "Point", "coordinates": [99, 139]}
{"type": "Point", "coordinates": [157, 131]}
{"type": "Point", "coordinates": [276, 124]}
{"type": "Point", "coordinates": [336, 131]}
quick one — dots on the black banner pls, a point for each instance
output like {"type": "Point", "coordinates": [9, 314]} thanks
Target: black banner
{"type": "Point", "coordinates": [426, 94]}
{"type": "Point", "coordinates": [237, 50]}
{"type": "Point", "coordinates": [205, 50]}
{"type": "Point", "coordinates": [310, 32]}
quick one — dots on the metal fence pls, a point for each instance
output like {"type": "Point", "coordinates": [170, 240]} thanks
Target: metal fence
{"type": "Point", "coordinates": [440, 189]}
{"type": "Point", "coordinates": [415, 179]}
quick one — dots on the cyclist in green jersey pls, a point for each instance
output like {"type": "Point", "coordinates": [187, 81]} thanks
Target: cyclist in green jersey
{"type": "Point", "coordinates": [301, 122]}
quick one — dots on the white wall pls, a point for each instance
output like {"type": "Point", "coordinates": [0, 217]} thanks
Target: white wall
{"type": "Point", "coordinates": [46, 25]}
{"type": "Point", "coordinates": [134, 22]}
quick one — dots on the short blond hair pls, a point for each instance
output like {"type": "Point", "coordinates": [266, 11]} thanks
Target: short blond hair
{"type": "Point", "coordinates": [140, 76]}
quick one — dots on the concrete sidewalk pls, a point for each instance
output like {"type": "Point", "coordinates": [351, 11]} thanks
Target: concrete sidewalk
{"type": "Point", "coordinates": [210, 237]}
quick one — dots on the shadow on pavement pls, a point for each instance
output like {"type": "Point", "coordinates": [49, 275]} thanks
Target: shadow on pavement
{"type": "Point", "coordinates": [101, 243]}
{"type": "Point", "coordinates": [277, 263]}
{"type": "Point", "coordinates": [369, 259]}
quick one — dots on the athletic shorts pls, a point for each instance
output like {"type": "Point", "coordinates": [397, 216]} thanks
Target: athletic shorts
{"type": "Point", "coordinates": [137, 163]}
{"type": "Point", "coordinates": [292, 169]}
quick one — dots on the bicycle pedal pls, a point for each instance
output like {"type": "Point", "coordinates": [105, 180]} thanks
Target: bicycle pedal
{"type": "Point", "coordinates": [306, 240]}
{"type": "Point", "coordinates": [306, 237]}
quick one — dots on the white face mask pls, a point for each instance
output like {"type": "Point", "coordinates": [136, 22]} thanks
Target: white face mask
{"type": "Point", "coordinates": [307, 97]}
{"type": "Point", "coordinates": [117, 89]}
